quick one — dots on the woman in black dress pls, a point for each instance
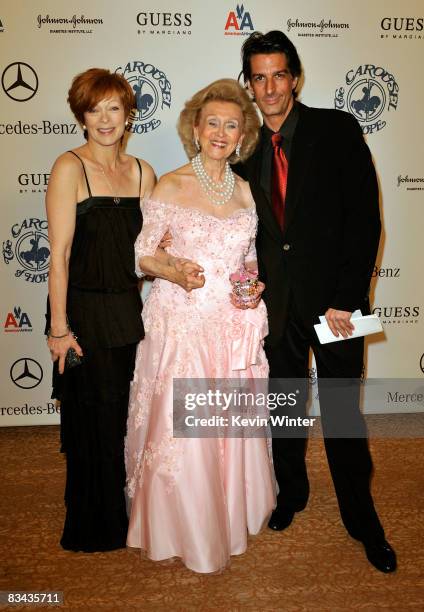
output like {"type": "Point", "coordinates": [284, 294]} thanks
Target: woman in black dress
{"type": "Point", "coordinates": [93, 209]}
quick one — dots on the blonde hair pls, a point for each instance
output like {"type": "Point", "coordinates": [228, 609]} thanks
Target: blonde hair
{"type": "Point", "coordinates": [223, 90]}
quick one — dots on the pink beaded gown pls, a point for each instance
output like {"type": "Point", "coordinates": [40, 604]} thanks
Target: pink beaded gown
{"type": "Point", "coordinates": [195, 498]}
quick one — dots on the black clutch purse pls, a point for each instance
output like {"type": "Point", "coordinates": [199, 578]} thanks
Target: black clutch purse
{"type": "Point", "coordinates": [72, 358]}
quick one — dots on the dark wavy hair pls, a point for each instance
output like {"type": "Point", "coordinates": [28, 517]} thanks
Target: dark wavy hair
{"type": "Point", "coordinates": [271, 42]}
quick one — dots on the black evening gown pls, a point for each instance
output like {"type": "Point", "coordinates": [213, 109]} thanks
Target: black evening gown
{"type": "Point", "coordinates": [104, 311]}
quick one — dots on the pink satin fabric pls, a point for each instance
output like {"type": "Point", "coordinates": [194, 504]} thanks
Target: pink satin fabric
{"type": "Point", "coordinates": [199, 498]}
{"type": "Point", "coordinates": [245, 349]}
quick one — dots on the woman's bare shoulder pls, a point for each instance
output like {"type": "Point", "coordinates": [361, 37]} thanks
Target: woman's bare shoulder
{"type": "Point", "coordinates": [67, 167]}
{"type": "Point", "coordinates": [243, 188]}
{"type": "Point", "coordinates": [241, 182]}
{"type": "Point", "coordinates": [170, 184]}
{"type": "Point", "coordinates": [146, 168]}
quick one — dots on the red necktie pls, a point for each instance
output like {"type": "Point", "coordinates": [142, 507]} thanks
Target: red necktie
{"type": "Point", "coordinates": [280, 168]}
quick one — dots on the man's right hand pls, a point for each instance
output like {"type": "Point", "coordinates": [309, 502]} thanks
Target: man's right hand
{"type": "Point", "coordinates": [339, 322]}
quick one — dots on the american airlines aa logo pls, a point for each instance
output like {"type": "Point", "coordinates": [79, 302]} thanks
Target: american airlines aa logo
{"type": "Point", "coordinates": [17, 321]}
{"type": "Point", "coordinates": [239, 22]}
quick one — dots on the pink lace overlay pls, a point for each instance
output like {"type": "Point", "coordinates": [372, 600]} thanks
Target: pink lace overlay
{"type": "Point", "coordinates": [196, 499]}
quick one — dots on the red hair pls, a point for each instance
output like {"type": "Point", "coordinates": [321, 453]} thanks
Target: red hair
{"type": "Point", "coordinates": [95, 84]}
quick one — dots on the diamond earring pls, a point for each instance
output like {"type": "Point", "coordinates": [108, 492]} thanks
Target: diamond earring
{"type": "Point", "coordinates": [197, 144]}
{"type": "Point", "coordinates": [238, 149]}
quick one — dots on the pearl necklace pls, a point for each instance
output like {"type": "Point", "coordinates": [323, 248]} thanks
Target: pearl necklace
{"type": "Point", "coordinates": [218, 193]}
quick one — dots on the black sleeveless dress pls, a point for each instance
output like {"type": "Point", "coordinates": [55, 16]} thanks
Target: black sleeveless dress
{"type": "Point", "coordinates": [104, 311]}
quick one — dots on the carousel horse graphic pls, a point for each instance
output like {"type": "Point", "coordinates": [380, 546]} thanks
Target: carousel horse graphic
{"type": "Point", "coordinates": [36, 255]}
{"type": "Point", "coordinates": [367, 104]}
{"type": "Point", "coordinates": [143, 101]}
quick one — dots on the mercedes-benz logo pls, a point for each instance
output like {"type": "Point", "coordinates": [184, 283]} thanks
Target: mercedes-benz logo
{"type": "Point", "coordinates": [26, 373]}
{"type": "Point", "coordinates": [422, 363]}
{"type": "Point", "coordinates": [19, 81]}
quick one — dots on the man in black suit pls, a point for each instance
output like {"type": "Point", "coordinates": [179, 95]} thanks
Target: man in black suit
{"type": "Point", "coordinates": [318, 236]}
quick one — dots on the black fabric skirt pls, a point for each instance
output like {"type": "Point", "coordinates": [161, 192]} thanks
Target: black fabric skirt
{"type": "Point", "coordinates": [94, 406]}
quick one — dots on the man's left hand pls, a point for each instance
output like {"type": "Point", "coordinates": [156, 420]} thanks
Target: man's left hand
{"type": "Point", "coordinates": [339, 322]}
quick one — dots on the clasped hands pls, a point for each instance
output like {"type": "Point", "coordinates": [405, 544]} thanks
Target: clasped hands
{"type": "Point", "coordinates": [189, 275]}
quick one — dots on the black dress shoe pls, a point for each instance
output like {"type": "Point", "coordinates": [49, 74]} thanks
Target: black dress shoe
{"type": "Point", "coordinates": [382, 556]}
{"type": "Point", "coordinates": [280, 519]}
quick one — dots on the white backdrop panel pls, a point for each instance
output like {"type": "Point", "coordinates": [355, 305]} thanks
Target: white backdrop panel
{"type": "Point", "coordinates": [190, 43]}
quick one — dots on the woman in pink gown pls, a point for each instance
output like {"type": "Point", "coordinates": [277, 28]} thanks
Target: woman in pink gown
{"type": "Point", "coordinates": [198, 498]}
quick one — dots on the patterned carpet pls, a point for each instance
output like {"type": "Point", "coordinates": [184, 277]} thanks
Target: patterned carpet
{"type": "Point", "coordinates": [313, 565]}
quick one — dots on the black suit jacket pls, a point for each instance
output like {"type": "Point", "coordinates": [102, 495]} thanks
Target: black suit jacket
{"type": "Point", "coordinates": [325, 256]}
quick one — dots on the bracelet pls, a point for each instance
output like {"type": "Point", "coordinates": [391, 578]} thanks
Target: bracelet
{"type": "Point", "coordinates": [50, 335]}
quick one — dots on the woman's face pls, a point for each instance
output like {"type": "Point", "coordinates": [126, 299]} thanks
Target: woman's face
{"type": "Point", "coordinates": [220, 129]}
{"type": "Point", "coordinates": [105, 122]}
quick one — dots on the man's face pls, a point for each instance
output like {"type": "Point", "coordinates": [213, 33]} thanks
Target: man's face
{"type": "Point", "coordinates": [272, 84]}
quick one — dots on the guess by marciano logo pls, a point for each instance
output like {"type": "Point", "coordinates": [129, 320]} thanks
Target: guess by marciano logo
{"type": "Point", "coordinates": [152, 91]}
{"type": "Point", "coordinates": [405, 28]}
{"type": "Point", "coordinates": [33, 182]}
{"type": "Point", "coordinates": [165, 24]}
{"type": "Point", "coordinates": [397, 314]}
{"type": "Point", "coordinates": [17, 321]}
{"type": "Point", "coordinates": [239, 22]}
{"type": "Point", "coordinates": [28, 248]}
{"type": "Point", "coordinates": [369, 94]}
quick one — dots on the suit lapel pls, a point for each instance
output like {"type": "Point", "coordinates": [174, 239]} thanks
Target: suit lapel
{"type": "Point", "coordinates": [300, 158]}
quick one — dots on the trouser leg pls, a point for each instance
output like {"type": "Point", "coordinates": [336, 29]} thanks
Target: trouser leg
{"type": "Point", "coordinates": [339, 368]}
{"type": "Point", "coordinates": [289, 360]}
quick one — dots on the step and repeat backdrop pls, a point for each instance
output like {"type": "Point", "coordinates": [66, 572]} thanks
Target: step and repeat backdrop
{"type": "Point", "coordinates": [363, 57]}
